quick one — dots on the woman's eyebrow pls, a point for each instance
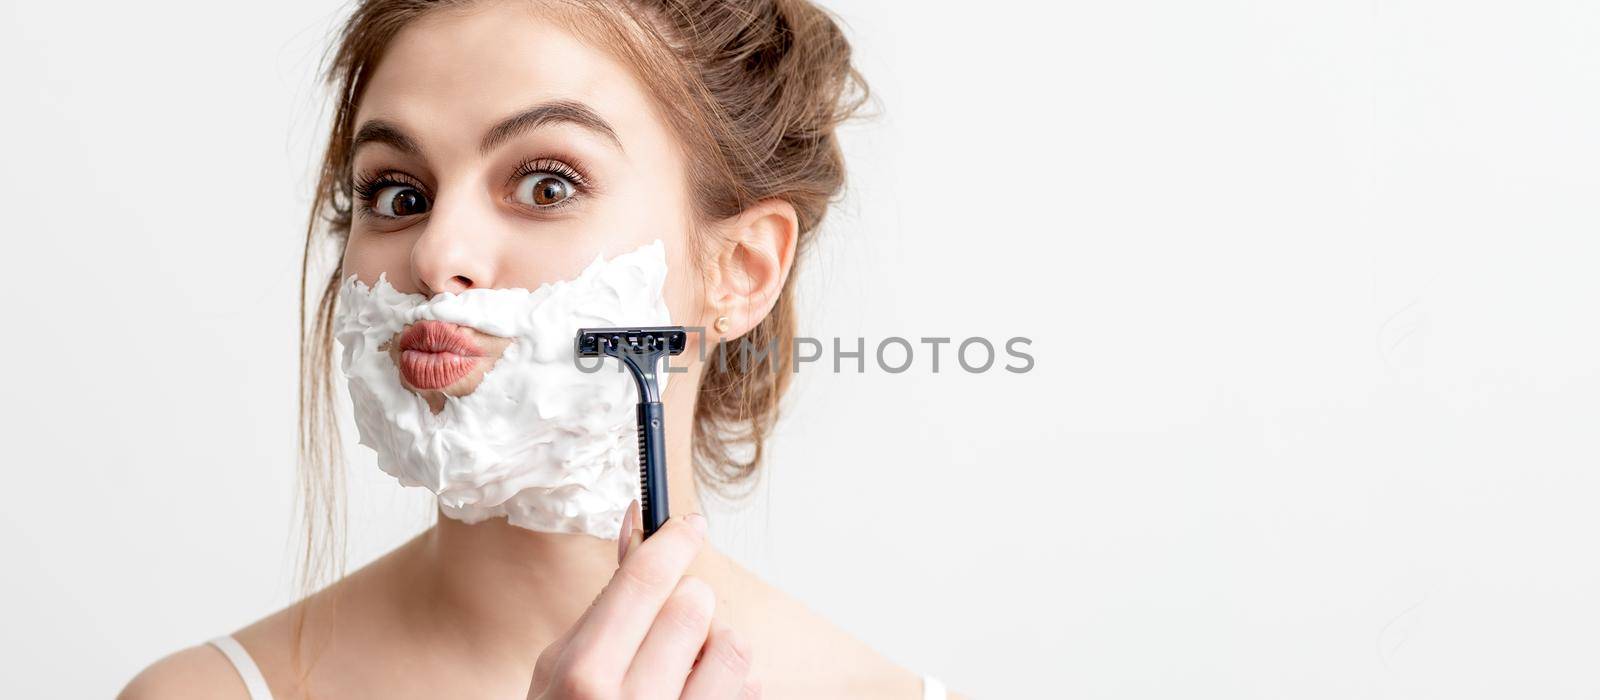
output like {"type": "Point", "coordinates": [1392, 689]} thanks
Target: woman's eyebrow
{"type": "Point", "coordinates": [570, 111]}
{"type": "Point", "coordinates": [553, 111]}
{"type": "Point", "coordinates": [380, 131]}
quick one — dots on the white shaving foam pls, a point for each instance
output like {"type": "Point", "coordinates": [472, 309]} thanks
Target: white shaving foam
{"type": "Point", "coordinates": [539, 441]}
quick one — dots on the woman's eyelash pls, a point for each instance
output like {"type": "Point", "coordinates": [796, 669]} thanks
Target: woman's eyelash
{"type": "Point", "coordinates": [551, 165]}
{"type": "Point", "coordinates": [368, 185]}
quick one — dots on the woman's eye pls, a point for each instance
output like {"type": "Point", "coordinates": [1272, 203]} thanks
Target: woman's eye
{"type": "Point", "coordinates": [399, 201]}
{"type": "Point", "coordinates": [543, 190]}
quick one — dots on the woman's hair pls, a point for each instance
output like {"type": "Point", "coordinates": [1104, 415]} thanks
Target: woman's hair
{"type": "Point", "coordinates": [753, 88]}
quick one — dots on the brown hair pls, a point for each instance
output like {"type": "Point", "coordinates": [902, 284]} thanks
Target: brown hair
{"type": "Point", "coordinates": [754, 88]}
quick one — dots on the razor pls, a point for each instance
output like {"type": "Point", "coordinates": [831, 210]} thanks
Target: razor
{"type": "Point", "coordinates": [640, 350]}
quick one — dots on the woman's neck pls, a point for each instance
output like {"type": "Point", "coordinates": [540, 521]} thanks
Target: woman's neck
{"type": "Point", "coordinates": [495, 586]}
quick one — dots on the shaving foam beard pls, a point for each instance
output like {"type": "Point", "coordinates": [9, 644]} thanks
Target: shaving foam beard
{"type": "Point", "coordinates": [551, 447]}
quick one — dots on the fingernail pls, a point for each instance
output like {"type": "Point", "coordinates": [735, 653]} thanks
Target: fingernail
{"type": "Point", "coordinates": [698, 521]}
{"type": "Point", "coordinates": [625, 535]}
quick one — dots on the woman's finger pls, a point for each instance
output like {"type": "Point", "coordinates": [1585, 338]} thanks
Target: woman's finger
{"type": "Point", "coordinates": [723, 671]}
{"type": "Point", "coordinates": [602, 647]}
{"type": "Point", "coordinates": [669, 649]}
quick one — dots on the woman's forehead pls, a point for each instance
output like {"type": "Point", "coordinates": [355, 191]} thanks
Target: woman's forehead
{"type": "Point", "coordinates": [454, 75]}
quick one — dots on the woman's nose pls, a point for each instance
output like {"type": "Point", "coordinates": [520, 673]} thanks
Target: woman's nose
{"type": "Point", "coordinates": [457, 248]}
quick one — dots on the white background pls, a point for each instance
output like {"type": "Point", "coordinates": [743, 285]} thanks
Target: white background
{"type": "Point", "coordinates": [1311, 288]}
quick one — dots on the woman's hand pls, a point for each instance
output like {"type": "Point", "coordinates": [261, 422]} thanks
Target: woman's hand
{"type": "Point", "coordinates": [650, 632]}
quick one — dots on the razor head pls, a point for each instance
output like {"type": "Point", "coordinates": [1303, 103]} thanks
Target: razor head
{"type": "Point", "coordinates": [639, 349]}
{"type": "Point", "coordinates": [616, 342]}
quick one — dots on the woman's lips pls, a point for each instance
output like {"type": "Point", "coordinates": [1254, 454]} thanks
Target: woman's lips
{"type": "Point", "coordinates": [435, 354]}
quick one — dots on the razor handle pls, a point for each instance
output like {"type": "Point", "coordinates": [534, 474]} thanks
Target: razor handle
{"type": "Point", "coordinates": [652, 467]}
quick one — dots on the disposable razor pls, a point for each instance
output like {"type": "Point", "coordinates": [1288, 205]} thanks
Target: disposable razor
{"type": "Point", "coordinates": [640, 349]}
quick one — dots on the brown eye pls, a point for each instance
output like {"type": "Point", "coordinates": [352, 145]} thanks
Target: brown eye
{"type": "Point", "coordinates": [399, 201]}
{"type": "Point", "coordinates": [543, 190]}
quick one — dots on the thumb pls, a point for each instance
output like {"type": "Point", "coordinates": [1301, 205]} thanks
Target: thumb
{"type": "Point", "coordinates": [544, 669]}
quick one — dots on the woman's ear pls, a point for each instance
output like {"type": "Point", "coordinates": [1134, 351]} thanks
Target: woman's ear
{"type": "Point", "coordinates": [750, 267]}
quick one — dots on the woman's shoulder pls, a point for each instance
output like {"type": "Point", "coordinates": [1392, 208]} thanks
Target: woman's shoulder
{"type": "Point", "coordinates": [797, 641]}
{"type": "Point", "coordinates": [200, 671]}
{"type": "Point", "coordinates": [205, 671]}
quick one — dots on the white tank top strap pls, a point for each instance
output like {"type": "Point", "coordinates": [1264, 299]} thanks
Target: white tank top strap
{"type": "Point", "coordinates": [932, 689]}
{"type": "Point", "coordinates": [246, 666]}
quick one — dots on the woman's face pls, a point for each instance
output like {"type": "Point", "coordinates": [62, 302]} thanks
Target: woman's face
{"type": "Point", "coordinates": [494, 150]}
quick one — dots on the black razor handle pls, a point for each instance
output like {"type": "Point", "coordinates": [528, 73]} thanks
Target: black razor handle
{"type": "Point", "coordinates": [652, 467]}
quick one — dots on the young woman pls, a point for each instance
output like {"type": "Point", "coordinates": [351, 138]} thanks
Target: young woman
{"type": "Point", "coordinates": [505, 144]}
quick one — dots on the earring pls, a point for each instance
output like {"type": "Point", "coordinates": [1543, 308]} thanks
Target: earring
{"type": "Point", "coordinates": [722, 324]}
